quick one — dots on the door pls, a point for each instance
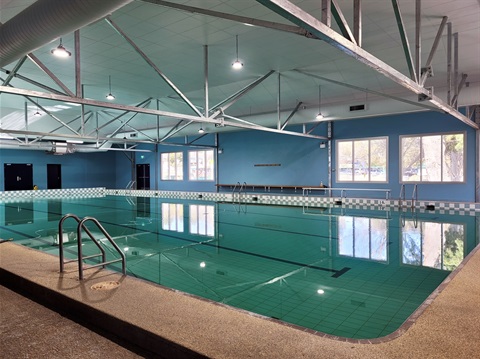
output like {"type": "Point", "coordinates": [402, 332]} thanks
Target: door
{"type": "Point", "coordinates": [18, 176]}
{"type": "Point", "coordinates": [143, 176]}
{"type": "Point", "coordinates": [54, 176]}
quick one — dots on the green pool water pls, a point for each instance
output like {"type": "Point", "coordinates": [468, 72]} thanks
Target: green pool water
{"type": "Point", "coordinates": [346, 272]}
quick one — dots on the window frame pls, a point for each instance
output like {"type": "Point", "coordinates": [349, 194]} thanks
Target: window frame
{"type": "Point", "coordinates": [197, 167]}
{"type": "Point", "coordinates": [352, 180]}
{"type": "Point", "coordinates": [420, 136]}
{"type": "Point", "coordinates": [168, 174]}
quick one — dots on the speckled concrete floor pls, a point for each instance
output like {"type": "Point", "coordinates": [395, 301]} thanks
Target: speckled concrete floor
{"type": "Point", "coordinates": [178, 325]}
{"type": "Point", "coordinates": [29, 330]}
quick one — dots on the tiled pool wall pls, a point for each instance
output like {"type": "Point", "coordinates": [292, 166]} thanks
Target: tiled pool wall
{"type": "Point", "coordinates": [462, 208]}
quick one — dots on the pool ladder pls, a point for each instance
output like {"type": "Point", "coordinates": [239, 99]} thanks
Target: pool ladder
{"type": "Point", "coordinates": [401, 199]}
{"type": "Point", "coordinates": [241, 189]}
{"type": "Point", "coordinates": [81, 226]}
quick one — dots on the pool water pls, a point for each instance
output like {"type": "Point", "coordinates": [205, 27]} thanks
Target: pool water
{"type": "Point", "coordinates": [345, 272]}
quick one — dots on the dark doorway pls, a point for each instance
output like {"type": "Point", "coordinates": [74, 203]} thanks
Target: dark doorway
{"type": "Point", "coordinates": [18, 176]}
{"type": "Point", "coordinates": [54, 176]}
{"type": "Point", "coordinates": [143, 176]}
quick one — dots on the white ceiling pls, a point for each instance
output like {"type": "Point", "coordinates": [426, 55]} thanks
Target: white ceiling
{"type": "Point", "coordinates": [174, 41]}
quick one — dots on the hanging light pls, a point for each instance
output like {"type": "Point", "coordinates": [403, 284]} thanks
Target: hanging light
{"type": "Point", "coordinates": [110, 96]}
{"type": "Point", "coordinates": [61, 51]}
{"type": "Point", "coordinates": [319, 115]}
{"type": "Point", "coordinates": [37, 113]}
{"type": "Point", "coordinates": [201, 130]}
{"type": "Point", "coordinates": [237, 64]}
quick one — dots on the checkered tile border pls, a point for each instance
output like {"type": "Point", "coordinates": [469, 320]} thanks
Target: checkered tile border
{"type": "Point", "coordinates": [9, 196]}
{"type": "Point", "coordinates": [462, 208]}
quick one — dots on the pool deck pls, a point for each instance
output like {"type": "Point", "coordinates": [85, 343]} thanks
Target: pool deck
{"type": "Point", "coordinates": [160, 322]}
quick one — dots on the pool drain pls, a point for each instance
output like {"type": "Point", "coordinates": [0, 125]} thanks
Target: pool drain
{"type": "Point", "coordinates": [105, 285]}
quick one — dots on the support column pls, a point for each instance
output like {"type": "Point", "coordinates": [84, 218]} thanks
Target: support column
{"type": "Point", "coordinates": [418, 38]}
{"type": "Point", "coordinates": [449, 63]}
{"type": "Point", "coordinates": [279, 122]}
{"type": "Point", "coordinates": [357, 21]}
{"type": "Point", "coordinates": [477, 154]}
{"type": "Point", "coordinates": [455, 68]}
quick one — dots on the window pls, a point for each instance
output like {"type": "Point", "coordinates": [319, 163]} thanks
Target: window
{"type": "Point", "coordinates": [362, 160]}
{"type": "Point", "coordinates": [435, 245]}
{"type": "Point", "coordinates": [172, 166]}
{"type": "Point", "coordinates": [433, 158]}
{"type": "Point", "coordinates": [202, 220]}
{"type": "Point", "coordinates": [361, 237]}
{"type": "Point", "coordinates": [200, 165]}
{"type": "Point", "coordinates": [172, 217]}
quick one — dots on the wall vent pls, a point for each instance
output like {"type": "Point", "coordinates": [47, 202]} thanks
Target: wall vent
{"type": "Point", "coordinates": [357, 108]}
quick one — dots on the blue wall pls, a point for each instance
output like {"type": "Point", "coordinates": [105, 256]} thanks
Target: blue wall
{"type": "Point", "coordinates": [418, 123]}
{"type": "Point", "coordinates": [300, 159]}
{"type": "Point", "coordinates": [79, 170]}
{"type": "Point", "coordinates": [296, 160]}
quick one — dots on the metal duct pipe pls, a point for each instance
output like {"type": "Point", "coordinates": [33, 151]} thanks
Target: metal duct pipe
{"type": "Point", "coordinates": [46, 20]}
{"type": "Point", "coordinates": [52, 147]}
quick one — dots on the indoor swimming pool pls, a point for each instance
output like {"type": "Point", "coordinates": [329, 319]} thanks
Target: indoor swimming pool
{"type": "Point", "coordinates": [354, 273]}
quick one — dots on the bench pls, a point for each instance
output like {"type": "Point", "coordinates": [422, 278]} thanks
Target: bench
{"type": "Point", "coordinates": [265, 187]}
{"type": "Point", "coordinates": [343, 191]}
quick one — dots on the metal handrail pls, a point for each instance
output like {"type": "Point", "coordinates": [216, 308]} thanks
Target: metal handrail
{"type": "Point", "coordinates": [401, 197]}
{"type": "Point", "coordinates": [81, 226]}
{"type": "Point", "coordinates": [414, 195]}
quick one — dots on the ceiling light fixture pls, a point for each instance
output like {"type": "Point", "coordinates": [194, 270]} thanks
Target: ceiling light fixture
{"type": "Point", "coordinates": [110, 96]}
{"type": "Point", "coordinates": [237, 65]}
{"type": "Point", "coordinates": [201, 130]}
{"type": "Point", "coordinates": [319, 115]}
{"type": "Point", "coordinates": [37, 113]}
{"type": "Point", "coordinates": [61, 51]}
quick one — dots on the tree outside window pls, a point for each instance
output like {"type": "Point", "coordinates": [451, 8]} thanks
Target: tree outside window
{"type": "Point", "coordinates": [201, 165]}
{"type": "Point", "coordinates": [433, 158]}
{"type": "Point", "coordinates": [362, 160]}
{"type": "Point", "coordinates": [172, 166]}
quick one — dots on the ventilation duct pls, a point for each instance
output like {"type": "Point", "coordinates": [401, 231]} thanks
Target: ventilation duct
{"type": "Point", "coordinates": [46, 20]}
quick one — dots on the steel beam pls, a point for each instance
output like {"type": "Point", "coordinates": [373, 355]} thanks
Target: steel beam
{"type": "Point", "coordinates": [153, 66]}
{"type": "Point", "coordinates": [455, 68]}
{"type": "Point", "coordinates": [27, 97]}
{"type": "Point", "coordinates": [119, 128]}
{"type": "Point", "coordinates": [382, 94]}
{"type": "Point", "coordinates": [229, 101]}
{"type": "Point", "coordinates": [23, 92]}
{"type": "Point", "coordinates": [175, 130]}
{"type": "Point", "coordinates": [33, 82]}
{"type": "Point", "coordinates": [404, 38]}
{"type": "Point", "coordinates": [279, 123]}
{"type": "Point", "coordinates": [449, 63]}
{"type": "Point", "coordinates": [428, 64]}
{"type": "Point", "coordinates": [341, 22]}
{"type": "Point", "coordinates": [55, 79]}
{"type": "Point", "coordinates": [290, 11]}
{"type": "Point", "coordinates": [69, 137]}
{"type": "Point", "coordinates": [242, 19]}
{"type": "Point", "coordinates": [78, 73]}
{"type": "Point", "coordinates": [357, 21]}
{"type": "Point", "coordinates": [327, 12]}
{"type": "Point", "coordinates": [268, 129]}
{"type": "Point", "coordinates": [418, 38]}
{"type": "Point", "coordinates": [141, 104]}
{"type": "Point", "coordinates": [291, 115]}
{"type": "Point", "coordinates": [205, 85]}
{"type": "Point", "coordinates": [14, 71]}
{"type": "Point", "coordinates": [459, 88]}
